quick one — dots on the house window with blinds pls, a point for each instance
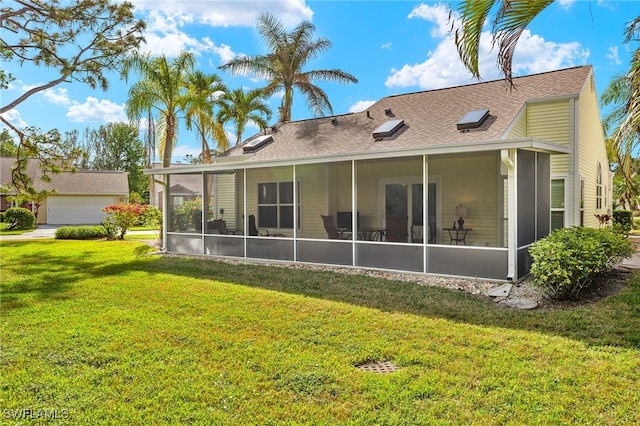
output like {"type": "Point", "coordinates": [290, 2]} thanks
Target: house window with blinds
{"type": "Point", "coordinates": [275, 205]}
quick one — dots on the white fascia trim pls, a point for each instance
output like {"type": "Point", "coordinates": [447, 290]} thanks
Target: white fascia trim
{"type": "Point", "coordinates": [553, 99]}
{"type": "Point", "coordinates": [462, 148]}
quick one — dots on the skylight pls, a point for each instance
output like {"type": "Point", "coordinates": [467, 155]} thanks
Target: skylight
{"type": "Point", "coordinates": [472, 119]}
{"type": "Point", "coordinates": [388, 128]}
{"type": "Point", "coordinates": [257, 143]}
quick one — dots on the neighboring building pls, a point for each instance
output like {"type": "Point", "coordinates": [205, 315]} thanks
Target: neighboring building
{"type": "Point", "coordinates": [514, 164]}
{"type": "Point", "coordinates": [183, 188]}
{"type": "Point", "coordinates": [77, 197]}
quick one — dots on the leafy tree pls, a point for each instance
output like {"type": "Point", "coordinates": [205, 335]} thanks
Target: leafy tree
{"type": "Point", "coordinates": [283, 65]}
{"type": "Point", "coordinates": [202, 92]}
{"type": "Point", "coordinates": [159, 92]}
{"type": "Point", "coordinates": [121, 217]}
{"type": "Point", "coordinates": [241, 108]}
{"type": "Point", "coordinates": [116, 146]}
{"type": "Point", "coordinates": [77, 41]}
{"type": "Point", "coordinates": [8, 147]}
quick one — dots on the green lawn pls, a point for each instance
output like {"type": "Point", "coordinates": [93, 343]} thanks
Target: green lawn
{"type": "Point", "coordinates": [4, 231]}
{"type": "Point", "coordinates": [105, 334]}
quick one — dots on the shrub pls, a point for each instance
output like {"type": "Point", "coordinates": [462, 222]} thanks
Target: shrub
{"type": "Point", "coordinates": [80, 232]}
{"type": "Point", "coordinates": [19, 218]}
{"type": "Point", "coordinates": [622, 221]}
{"type": "Point", "coordinates": [121, 217]}
{"type": "Point", "coordinates": [568, 259]}
{"type": "Point", "coordinates": [188, 216]}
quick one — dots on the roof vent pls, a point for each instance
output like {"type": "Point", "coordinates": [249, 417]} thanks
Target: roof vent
{"type": "Point", "coordinates": [257, 143]}
{"type": "Point", "coordinates": [388, 128]}
{"type": "Point", "coordinates": [472, 119]}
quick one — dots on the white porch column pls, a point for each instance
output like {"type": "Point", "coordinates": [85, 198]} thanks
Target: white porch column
{"type": "Point", "coordinates": [509, 158]}
{"type": "Point", "coordinates": [354, 210]}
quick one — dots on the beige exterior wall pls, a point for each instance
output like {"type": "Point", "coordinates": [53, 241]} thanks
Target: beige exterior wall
{"type": "Point", "coordinates": [224, 197]}
{"type": "Point", "coordinates": [256, 176]}
{"type": "Point", "coordinates": [519, 129]}
{"type": "Point", "coordinates": [42, 213]}
{"type": "Point", "coordinates": [474, 181]}
{"type": "Point", "coordinates": [551, 121]}
{"type": "Point", "coordinates": [371, 175]}
{"type": "Point", "coordinates": [592, 151]}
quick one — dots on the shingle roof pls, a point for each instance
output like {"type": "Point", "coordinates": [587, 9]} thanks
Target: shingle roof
{"type": "Point", "coordinates": [70, 183]}
{"type": "Point", "coordinates": [430, 118]}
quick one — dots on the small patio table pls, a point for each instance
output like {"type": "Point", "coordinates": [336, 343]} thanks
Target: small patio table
{"type": "Point", "coordinates": [458, 235]}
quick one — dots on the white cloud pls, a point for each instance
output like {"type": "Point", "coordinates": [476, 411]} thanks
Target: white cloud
{"type": "Point", "coordinates": [566, 4]}
{"type": "Point", "coordinates": [438, 14]}
{"type": "Point", "coordinates": [386, 46]}
{"type": "Point", "coordinates": [443, 68]}
{"type": "Point", "coordinates": [361, 106]}
{"type": "Point", "coordinates": [13, 117]}
{"type": "Point", "coordinates": [181, 151]}
{"type": "Point", "coordinates": [93, 110]}
{"type": "Point", "coordinates": [171, 44]}
{"type": "Point", "coordinates": [613, 55]}
{"type": "Point", "coordinates": [166, 19]}
{"type": "Point", "coordinates": [226, 13]}
{"type": "Point", "coordinates": [58, 96]}
{"type": "Point", "coordinates": [223, 51]}
{"type": "Point", "coordinates": [534, 54]}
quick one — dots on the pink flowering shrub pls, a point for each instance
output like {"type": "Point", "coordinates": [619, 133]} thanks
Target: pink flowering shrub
{"type": "Point", "coordinates": [121, 217]}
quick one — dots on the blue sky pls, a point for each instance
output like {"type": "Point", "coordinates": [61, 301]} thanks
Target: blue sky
{"type": "Point", "coordinates": [392, 47]}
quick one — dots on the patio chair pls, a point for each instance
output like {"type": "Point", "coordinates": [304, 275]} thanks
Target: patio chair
{"type": "Point", "coordinates": [221, 225]}
{"type": "Point", "coordinates": [332, 230]}
{"type": "Point", "coordinates": [253, 229]}
{"type": "Point", "coordinates": [396, 229]}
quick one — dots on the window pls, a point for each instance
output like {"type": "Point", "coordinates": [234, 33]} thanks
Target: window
{"type": "Point", "coordinates": [557, 203]}
{"type": "Point", "coordinates": [275, 205]}
{"type": "Point", "coordinates": [599, 187]}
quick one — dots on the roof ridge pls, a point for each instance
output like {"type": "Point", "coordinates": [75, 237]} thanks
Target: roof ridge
{"type": "Point", "coordinates": [500, 80]}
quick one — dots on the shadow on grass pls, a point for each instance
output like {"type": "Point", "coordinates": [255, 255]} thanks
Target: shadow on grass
{"type": "Point", "coordinates": [613, 321]}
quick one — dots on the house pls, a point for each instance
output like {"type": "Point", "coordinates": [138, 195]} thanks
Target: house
{"type": "Point", "coordinates": [457, 181]}
{"type": "Point", "coordinates": [183, 188]}
{"type": "Point", "coordinates": [76, 197]}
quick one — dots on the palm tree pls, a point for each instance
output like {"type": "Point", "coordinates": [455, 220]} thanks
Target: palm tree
{"type": "Point", "coordinates": [510, 20]}
{"type": "Point", "coordinates": [202, 90]}
{"type": "Point", "coordinates": [160, 90]}
{"type": "Point", "coordinates": [508, 23]}
{"type": "Point", "coordinates": [282, 67]}
{"type": "Point", "coordinates": [241, 108]}
{"type": "Point", "coordinates": [623, 121]}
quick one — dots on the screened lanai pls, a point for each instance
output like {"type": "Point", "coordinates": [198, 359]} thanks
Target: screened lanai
{"type": "Point", "coordinates": [469, 214]}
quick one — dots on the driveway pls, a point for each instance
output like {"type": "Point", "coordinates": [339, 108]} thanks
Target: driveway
{"type": "Point", "coordinates": [43, 231]}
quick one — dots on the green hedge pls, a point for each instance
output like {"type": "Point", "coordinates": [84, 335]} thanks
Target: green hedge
{"type": "Point", "coordinates": [81, 232]}
{"type": "Point", "coordinates": [568, 259]}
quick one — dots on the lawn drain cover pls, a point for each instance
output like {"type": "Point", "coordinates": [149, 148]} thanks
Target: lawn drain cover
{"type": "Point", "coordinates": [378, 367]}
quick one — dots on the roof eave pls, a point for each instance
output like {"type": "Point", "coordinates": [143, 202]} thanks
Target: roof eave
{"type": "Point", "coordinates": [459, 148]}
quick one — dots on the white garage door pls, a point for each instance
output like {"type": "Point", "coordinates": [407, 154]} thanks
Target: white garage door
{"type": "Point", "coordinates": [81, 210]}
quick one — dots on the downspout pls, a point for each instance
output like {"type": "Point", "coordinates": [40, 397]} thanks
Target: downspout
{"type": "Point", "coordinates": [165, 213]}
{"type": "Point", "coordinates": [508, 156]}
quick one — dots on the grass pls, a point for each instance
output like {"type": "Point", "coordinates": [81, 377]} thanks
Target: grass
{"type": "Point", "coordinates": [5, 231]}
{"type": "Point", "coordinates": [106, 334]}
